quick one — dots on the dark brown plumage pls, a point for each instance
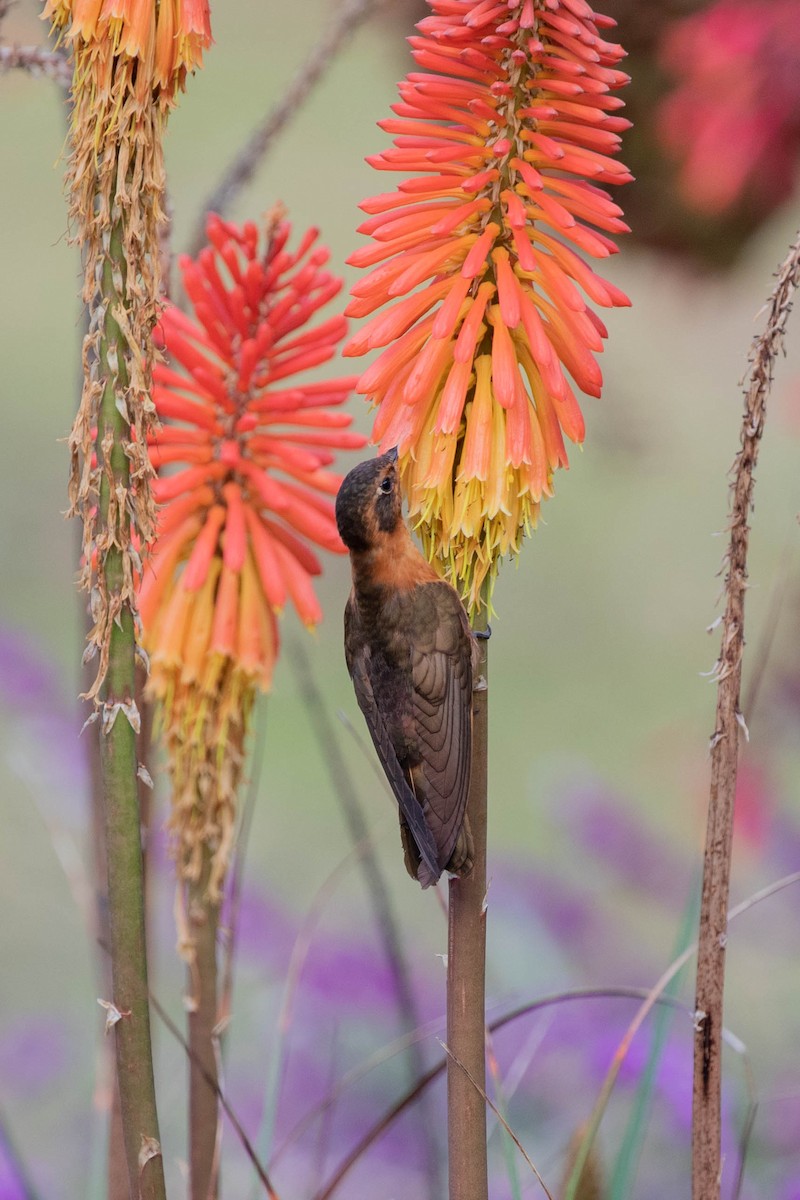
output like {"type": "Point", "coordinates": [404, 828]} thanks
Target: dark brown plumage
{"type": "Point", "coordinates": [409, 651]}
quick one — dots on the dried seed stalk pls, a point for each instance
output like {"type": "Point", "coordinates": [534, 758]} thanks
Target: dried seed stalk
{"type": "Point", "coordinates": [706, 1120]}
{"type": "Point", "coordinates": [116, 179]}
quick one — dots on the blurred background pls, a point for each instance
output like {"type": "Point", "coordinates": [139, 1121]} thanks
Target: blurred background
{"type": "Point", "coordinates": [600, 714]}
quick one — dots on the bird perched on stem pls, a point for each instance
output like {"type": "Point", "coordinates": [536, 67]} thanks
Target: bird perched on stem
{"type": "Point", "coordinates": [409, 651]}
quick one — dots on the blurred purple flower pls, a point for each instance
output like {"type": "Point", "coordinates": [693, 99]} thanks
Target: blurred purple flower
{"type": "Point", "coordinates": [606, 829]}
{"type": "Point", "coordinates": [778, 1122]}
{"type": "Point", "coordinates": [355, 976]}
{"type": "Point", "coordinates": [43, 744]}
{"type": "Point", "coordinates": [11, 1186]}
{"type": "Point", "coordinates": [33, 1052]}
{"type": "Point", "coordinates": [265, 931]}
{"type": "Point", "coordinates": [27, 680]}
{"type": "Point", "coordinates": [783, 845]}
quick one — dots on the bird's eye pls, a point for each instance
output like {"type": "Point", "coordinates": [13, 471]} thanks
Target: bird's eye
{"type": "Point", "coordinates": [386, 486]}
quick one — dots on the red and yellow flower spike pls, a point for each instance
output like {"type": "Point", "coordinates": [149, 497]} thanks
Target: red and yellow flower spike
{"type": "Point", "coordinates": [252, 491]}
{"type": "Point", "coordinates": [512, 127]}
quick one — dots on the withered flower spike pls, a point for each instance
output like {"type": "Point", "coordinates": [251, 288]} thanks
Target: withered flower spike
{"type": "Point", "coordinates": [127, 68]}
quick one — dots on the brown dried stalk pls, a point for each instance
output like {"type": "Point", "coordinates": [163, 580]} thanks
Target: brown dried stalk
{"type": "Point", "coordinates": [730, 724]}
{"type": "Point", "coordinates": [347, 17]}
{"type": "Point", "coordinates": [466, 980]}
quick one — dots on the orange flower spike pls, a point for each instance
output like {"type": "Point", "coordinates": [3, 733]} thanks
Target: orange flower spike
{"type": "Point", "coordinates": [511, 129]}
{"type": "Point", "coordinates": [238, 518]}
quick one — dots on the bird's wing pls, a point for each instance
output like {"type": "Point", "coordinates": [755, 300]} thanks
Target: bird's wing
{"type": "Point", "coordinates": [441, 668]}
{"type": "Point", "coordinates": [359, 665]}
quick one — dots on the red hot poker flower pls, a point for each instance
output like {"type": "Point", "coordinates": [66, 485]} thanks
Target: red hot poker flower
{"type": "Point", "coordinates": [732, 120]}
{"type": "Point", "coordinates": [251, 497]}
{"type": "Point", "coordinates": [511, 128]}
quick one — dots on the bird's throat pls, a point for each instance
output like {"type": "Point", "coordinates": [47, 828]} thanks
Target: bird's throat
{"type": "Point", "coordinates": [393, 561]}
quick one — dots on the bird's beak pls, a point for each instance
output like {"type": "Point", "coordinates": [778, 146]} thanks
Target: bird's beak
{"type": "Point", "coordinates": [392, 454]}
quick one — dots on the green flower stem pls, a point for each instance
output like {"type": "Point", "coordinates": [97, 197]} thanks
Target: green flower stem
{"type": "Point", "coordinates": [119, 768]}
{"type": "Point", "coordinates": [466, 979]}
{"type": "Point", "coordinates": [203, 1043]}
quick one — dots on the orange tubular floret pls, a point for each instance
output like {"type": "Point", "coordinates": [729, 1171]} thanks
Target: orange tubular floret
{"type": "Point", "coordinates": [226, 614]}
{"type": "Point", "coordinates": [255, 647]}
{"type": "Point", "coordinates": [197, 637]}
{"type": "Point", "coordinates": [299, 587]}
{"type": "Point", "coordinates": [267, 561]}
{"type": "Point", "coordinates": [204, 549]}
{"type": "Point", "coordinates": [157, 576]}
{"type": "Point", "coordinates": [235, 532]}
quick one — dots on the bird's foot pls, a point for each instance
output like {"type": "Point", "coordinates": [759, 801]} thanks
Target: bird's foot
{"type": "Point", "coordinates": [480, 684]}
{"type": "Point", "coordinates": [483, 635]}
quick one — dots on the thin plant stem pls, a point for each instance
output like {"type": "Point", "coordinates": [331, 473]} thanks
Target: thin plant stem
{"type": "Point", "coordinates": [649, 998]}
{"type": "Point", "coordinates": [730, 724]}
{"type": "Point", "coordinates": [623, 1176]}
{"type": "Point", "coordinates": [510, 1132]}
{"type": "Point", "coordinates": [225, 1105]}
{"type": "Point", "coordinates": [118, 756]}
{"type": "Point", "coordinates": [377, 890]}
{"type": "Point", "coordinates": [203, 922]}
{"type": "Point", "coordinates": [502, 1109]}
{"type": "Point", "coordinates": [466, 980]}
{"type": "Point", "coordinates": [348, 15]}
{"type": "Point", "coordinates": [320, 904]}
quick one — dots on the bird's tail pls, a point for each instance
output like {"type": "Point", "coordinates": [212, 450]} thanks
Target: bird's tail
{"type": "Point", "coordinates": [460, 861]}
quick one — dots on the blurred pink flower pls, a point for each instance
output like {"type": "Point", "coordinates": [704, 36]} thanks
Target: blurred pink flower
{"type": "Point", "coordinates": [733, 120]}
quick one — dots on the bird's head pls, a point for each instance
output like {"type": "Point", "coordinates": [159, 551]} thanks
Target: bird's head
{"type": "Point", "coordinates": [369, 504]}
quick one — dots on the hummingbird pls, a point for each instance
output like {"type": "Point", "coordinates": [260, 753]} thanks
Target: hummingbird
{"type": "Point", "coordinates": [411, 654]}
